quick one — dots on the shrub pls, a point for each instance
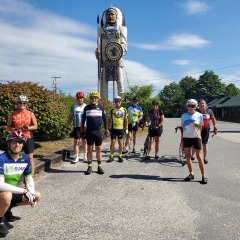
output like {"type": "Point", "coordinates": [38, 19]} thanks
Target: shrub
{"type": "Point", "coordinates": [50, 110]}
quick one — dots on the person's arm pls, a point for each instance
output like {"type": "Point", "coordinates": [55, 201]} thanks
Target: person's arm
{"type": "Point", "coordinates": [10, 127]}
{"type": "Point", "coordinates": [83, 120]}
{"type": "Point", "coordinates": [34, 125]}
{"type": "Point", "coordinates": [30, 184]}
{"type": "Point", "coordinates": [140, 115]}
{"type": "Point", "coordinates": [5, 187]}
{"type": "Point", "coordinates": [123, 38]}
{"type": "Point", "coordinates": [162, 120]}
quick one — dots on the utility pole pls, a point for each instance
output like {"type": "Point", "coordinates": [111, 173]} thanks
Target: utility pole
{"type": "Point", "coordinates": [55, 84]}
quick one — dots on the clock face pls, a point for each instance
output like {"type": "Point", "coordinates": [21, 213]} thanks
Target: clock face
{"type": "Point", "coordinates": [114, 51]}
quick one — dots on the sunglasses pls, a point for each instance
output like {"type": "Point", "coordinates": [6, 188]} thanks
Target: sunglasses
{"type": "Point", "coordinates": [191, 106]}
{"type": "Point", "coordinates": [80, 98]}
{"type": "Point", "coordinates": [92, 98]}
{"type": "Point", "coordinates": [17, 141]}
{"type": "Point", "coordinates": [135, 101]}
{"type": "Point", "coordinates": [117, 101]}
{"type": "Point", "coordinates": [22, 103]}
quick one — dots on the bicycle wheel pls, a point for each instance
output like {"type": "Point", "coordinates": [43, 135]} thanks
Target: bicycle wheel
{"type": "Point", "coordinates": [145, 148]}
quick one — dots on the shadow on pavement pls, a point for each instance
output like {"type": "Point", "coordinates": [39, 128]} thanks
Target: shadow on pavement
{"type": "Point", "coordinates": [146, 177]}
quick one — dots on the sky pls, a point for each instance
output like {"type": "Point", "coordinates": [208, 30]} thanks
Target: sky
{"type": "Point", "coordinates": [46, 40]}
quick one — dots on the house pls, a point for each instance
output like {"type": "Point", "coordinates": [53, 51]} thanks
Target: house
{"type": "Point", "coordinates": [226, 108]}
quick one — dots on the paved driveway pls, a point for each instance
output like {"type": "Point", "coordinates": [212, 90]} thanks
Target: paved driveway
{"type": "Point", "coordinates": [141, 199]}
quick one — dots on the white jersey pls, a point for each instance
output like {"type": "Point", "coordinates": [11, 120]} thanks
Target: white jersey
{"type": "Point", "coordinates": [77, 111]}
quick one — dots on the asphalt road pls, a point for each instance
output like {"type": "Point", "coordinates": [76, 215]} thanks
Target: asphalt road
{"type": "Point", "coordinates": [140, 199]}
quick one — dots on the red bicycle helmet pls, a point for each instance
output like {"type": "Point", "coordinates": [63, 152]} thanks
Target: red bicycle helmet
{"type": "Point", "coordinates": [80, 95]}
{"type": "Point", "coordinates": [16, 135]}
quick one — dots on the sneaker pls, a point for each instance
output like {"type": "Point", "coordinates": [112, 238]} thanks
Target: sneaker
{"type": "Point", "coordinates": [204, 180]}
{"type": "Point", "coordinates": [110, 159]}
{"type": "Point", "coordinates": [133, 151]}
{"type": "Point", "coordinates": [125, 151]}
{"type": "Point", "coordinates": [85, 159]}
{"type": "Point", "coordinates": [89, 171]}
{"type": "Point", "coordinates": [147, 158]}
{"type": "Point", "coordinates": [75, 160]}
{"type": "Point", "coordinates": [156, 157]}
{"type": "Point", "coordinates": [120, 159]}
{"type": "Point", "coordinates": [3, 230]}
{"type": "Point", "coordinates": [100, 170]}
{"type": "Point", "coordinates": [10, 217]}
{"type": "Point", "coordinates": [205, 160]}
{"type": "Point", "coordinates": [192, 158]}
{"type": "Point", "coordinates": [189, 178]}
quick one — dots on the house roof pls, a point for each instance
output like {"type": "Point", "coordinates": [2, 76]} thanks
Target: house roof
{"type": "Point", "coordinates": [217, 101]}
{"type": "Point", "coordinates": [225, 102]}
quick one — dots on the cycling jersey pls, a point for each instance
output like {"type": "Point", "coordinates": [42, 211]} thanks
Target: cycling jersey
{"type": "Point", "coordinates": [118, 116]}
{"type": "Point", "coordinates": [134, 112]}
{"type": "Point", "coordinates": [21, 118]}
{"type": "Point", "coordinates": [207, 116]}
{"type": "Point", "coordinates": [77, 111]}
{"type": "Point", "coordinates": [11, 170]}
{"type": "Point", "coordinates": [155, 118]}
{"type": "Point", "coordinates": [191, 128]}
{"type": "Point", "coordinates": [93, 115]}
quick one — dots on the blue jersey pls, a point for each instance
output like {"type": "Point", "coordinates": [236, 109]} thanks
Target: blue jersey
{"type": "Point", "coordinates": [134, 112]}
{"type": "Point", "coordinates": [94, 115]}
{"type": "Point", "coordinates": [191, 125]}
{"type": "Point", "coordinates": [12, 170]}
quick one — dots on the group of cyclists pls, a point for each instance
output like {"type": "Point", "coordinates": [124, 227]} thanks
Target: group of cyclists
{"type": "Point", "coordinates": [87, 121]}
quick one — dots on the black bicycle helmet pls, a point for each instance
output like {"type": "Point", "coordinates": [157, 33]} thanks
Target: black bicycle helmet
{"type": "Point", "coordinates": [135, 98]}
{"type": "Point", "coordinates": [155, 102]}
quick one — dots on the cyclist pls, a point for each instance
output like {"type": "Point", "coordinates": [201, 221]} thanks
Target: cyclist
{"type": "Point", "coordinates": [156, 120]}
{"type": "Point", "coordinates": [94, 114]}
{"type": "Point", "coordinates": [25, 120]}
{"type": "Point", "coordinates": [76, 115]}
{"type": "Point", "coordinates": [192, 122]}
{"type": "Point", "coordinates": [117, 120]}
{"type": "Point", "coordinates": [207, 116]}
{"type": "Point", "coordinates": [14, 165]}
{"type": "Point", "coordinates": [135, 114]}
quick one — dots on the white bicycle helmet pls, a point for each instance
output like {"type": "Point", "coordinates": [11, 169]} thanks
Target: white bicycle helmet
{"type": "Point", "coordinates": [117, 98]}
{"type": "Point", "coordinates": [22, 98]}
{"type": "Point", "coordinates": [192, 102]}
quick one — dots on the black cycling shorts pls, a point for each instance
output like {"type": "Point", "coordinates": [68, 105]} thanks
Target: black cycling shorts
{"type": "Point", "coordinates": [131, 128]}
{"type": "Point", "coordinates": [94, 137]}
{"type": "Point", "coordinates": [195, 142]}
{"type": "Point", "coordinates": [155, 132]}
{"type": "Point", "coordinates": [28, 146]}
{"type": "Point", "coordinates": [16, 198]}
{"type": "Point", "coordinates": [77, 133]}
{"type": "Point", "coordinates": [205, 135]}
{"type": "Point", "coordinates": [117, 133]}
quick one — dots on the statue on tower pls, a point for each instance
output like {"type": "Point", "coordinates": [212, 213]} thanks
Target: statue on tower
{"type": "Point", "coordinates": [112, 45]}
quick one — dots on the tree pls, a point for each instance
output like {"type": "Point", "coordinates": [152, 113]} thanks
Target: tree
{"type": "Point", "coordinates": [172, 96]}
{"type": "Point", "coordinates": [209, 84]}
{"type": "Point", "coordinates": [144, 94]}
{"type": "Point", "coordinates": [232, 90]}
{"type": "Point", "coordinates": [188, 85]}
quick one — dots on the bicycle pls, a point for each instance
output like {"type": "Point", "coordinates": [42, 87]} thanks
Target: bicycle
{"type": "Point", "coordinates": [181, 152]}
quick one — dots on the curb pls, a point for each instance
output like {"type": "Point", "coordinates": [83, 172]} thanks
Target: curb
{"type": "Point", "coordinates": [44, 164]}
